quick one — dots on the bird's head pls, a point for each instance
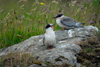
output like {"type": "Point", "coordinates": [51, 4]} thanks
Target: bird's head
{"type": "Point", "coordinates": [49, 26]}
{"type": "Point", "coordinates": [58, 15]}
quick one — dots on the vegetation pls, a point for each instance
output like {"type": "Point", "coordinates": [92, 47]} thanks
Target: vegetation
{"type": "Point", "coordinates": [23, 60]}
{"type": "Point", "coordinates": [21, 19]}
{"type": "Point", "coordinates": [16, 60]}
{"type": "Point", "coordinates": [90, 53]}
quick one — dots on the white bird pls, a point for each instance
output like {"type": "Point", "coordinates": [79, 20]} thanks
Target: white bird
{"type": "Point", "coordinates": [67, 22]}
{"type": "Point", "coordinates": [49, 39]}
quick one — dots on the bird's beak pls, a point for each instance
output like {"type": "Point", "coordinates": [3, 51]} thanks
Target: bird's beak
{"type": "Point", "coordinates": [52, 27]}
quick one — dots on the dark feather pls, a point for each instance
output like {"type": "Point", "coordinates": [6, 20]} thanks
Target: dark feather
{"type": "Point", "coordinates": [43, 40]}
{"type": "Point", "coordinates": [68, 22]}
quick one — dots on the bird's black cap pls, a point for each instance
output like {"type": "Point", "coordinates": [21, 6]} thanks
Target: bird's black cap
{"type": "Point", "coordinates": [48, 25]}
{"type": "Point", "coordinates": [58, 15]}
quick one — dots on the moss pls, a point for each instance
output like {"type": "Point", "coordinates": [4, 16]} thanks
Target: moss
{"type": "Point", "coordinates": [17, 60]}
{"type": "Point", "coordinates": [59, 58]}
{"type": "Point", "coordinates": [49, 64]}
{"type": "Point", "coordinates": [90, 51]}
{"type": "Point", "coordinates": [86, 62]}
{"type": "Point", "coordinates": [37, 62]}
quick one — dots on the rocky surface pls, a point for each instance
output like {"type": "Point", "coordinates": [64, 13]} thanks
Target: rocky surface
{"type": "Point", "coordinates": [65, 51]}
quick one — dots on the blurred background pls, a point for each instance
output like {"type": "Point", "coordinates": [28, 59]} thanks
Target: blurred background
{"type": "Point", "coordinates": [21, 19]}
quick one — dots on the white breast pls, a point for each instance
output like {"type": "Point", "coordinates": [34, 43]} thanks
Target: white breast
{"type": "Point", "coordinates": [50, 39]}
{"type": "Point", "coordinates": [58, 21]}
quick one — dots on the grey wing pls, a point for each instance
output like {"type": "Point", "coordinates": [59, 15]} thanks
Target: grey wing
{"type": "Point", "coordinates": [67, 21]}
{"type": "Point", "coordinates": [43, 40]}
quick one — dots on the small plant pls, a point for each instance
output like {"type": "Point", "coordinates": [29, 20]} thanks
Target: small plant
{"type": "Point", "coordinates": [89, 50]}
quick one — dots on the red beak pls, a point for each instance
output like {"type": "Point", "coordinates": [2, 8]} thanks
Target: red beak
{"type": "Point", "coordinates": [52, 27]}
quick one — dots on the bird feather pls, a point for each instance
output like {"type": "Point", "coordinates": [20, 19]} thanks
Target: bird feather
{"type": "Point", "coordinates": [68, 22]}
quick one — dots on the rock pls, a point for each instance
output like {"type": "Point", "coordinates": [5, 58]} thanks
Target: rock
{"type": "Point", "coordinates": [35, 65]}
{"type": "Point", "coordinates": [65, 51]}
{"type": "Point", "coordinates": [79, 65]}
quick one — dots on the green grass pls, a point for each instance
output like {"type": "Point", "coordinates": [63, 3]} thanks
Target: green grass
{"type": "Point", "coordinates": [21, 20]}
{"type": "Point", "coordinates": [17, 60]}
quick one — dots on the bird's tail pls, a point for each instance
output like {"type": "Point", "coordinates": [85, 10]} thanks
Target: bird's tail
{"type": "Point", "coordinates": [79, 25]}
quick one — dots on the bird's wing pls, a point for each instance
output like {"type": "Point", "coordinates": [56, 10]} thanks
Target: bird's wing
{"type": "Point", "coordinates": [67, 21]}
{"type": "Point", "coordinates": [43, 40]}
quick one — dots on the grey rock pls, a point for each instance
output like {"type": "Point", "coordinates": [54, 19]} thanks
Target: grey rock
{"type": "Point", "coordinates": [35, 65]}
{"type": "Point", "coordinates": [65, 51]}
{"type": "Point", "coordinates": [79, 65]}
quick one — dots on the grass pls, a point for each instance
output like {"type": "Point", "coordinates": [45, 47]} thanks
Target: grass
{"type": "Point", "coordinates": [20, 20]}
{"type": "Point", "coordinates": [17, 60]}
